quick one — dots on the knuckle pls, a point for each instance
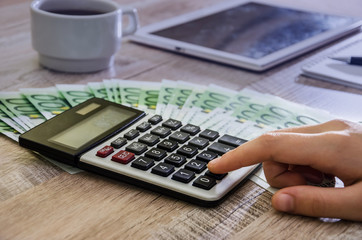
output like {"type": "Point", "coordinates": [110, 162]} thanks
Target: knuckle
{"type": "Point", "coordinates": [341, 123]}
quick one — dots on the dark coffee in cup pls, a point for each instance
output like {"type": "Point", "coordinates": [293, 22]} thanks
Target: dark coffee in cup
{"type": "Point", "coordinates": [76, 12]}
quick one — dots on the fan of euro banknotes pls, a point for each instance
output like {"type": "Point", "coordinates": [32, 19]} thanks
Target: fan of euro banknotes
{"type": "Point", "coordinates": [245, 114]}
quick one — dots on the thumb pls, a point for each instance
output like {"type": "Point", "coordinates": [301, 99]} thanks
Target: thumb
{"type": "Point", "coordinates": [321, 202]}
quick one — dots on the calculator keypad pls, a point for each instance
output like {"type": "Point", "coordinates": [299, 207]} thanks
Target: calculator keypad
{"type": "Point", "coordinates": [168, 149]}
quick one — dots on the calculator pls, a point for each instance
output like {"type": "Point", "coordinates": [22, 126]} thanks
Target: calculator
{"type": "Point", "coordinates": [124, 143]}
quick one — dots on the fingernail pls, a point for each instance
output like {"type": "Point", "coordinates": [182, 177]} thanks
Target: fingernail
{"type": "Point", "coordinates": [213, 162]}
{"type": "Point", "coordinates": [284, 202]}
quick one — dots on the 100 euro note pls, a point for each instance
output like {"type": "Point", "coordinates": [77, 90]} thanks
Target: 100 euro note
{"type": "Point", "coordinates": [212, 99]}
{"type": "Point", "coordinates": [48, 101]}
{"type": "Point", "coordinates": [179, 97]}
{"type": "Point", "coordinates": [75, 93]}
{"type": "Point", "coordinates": [20, 106]}
{"type": "Point", "coordinates": [11, 120]}
{"type": "Point", "coordinates": [98, 90]}
{"type": "Point", "coordinates": [130, 92]}
{"type": "Point", "coordinates": [149, 96]}
{"type": "Point", "coordinates": [164, 96]}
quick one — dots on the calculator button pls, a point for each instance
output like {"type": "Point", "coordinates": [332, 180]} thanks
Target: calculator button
{"type": "Point", "coordinates": [119, 142]}
{"type": "Point", "coordinates": [143, 163]}
{"type": "Point", "coordinates": [183, 175]}
{"type": "Point", "coordinates": [188, 151]}
{"type": "Point", "coordinates": [190, 129]}
{"type": "Point", "coordinates": [143, 126]}
{"type": "Point", "coordinates": [123, 157]}
{"type": "Point", "coordinates": [163, 169]}
{"type": "Point", "coordinates": [176, 159]}
{"type": "Point", "coordinates": [131, 134]}
{"type": "Point", "coordinates": [204, 182]}
{"type": "Point", "coordinates": [199, 142]}
{"type": "Point", "coordinates": [168, 145]}
{"type": "Point", "coordinates": [156, 154]}
{"type": "Point", "coordinates": [206, 156]}
{"type": "Point", "coordinates": [155, 119]}
{"type": "Point", "coordinates": [220, 148]}
{"type": "Point", "coordinates": [180, 137]}
{"type": "Point", "coordinates": [137, 148]}
{"type": "Point", "coordinates": [230, 140]}
{"type": "Point", "coordinates": [215, 176]}
{"type": "Point", "coordinates": [171, 123]}
{"type": "Point", "coordinates": [196, 166]}
{"type": "Point", "coordinates": [105, 151]}
{"type": "Point", "coordinates": [149, 139]}
{"type": "Point", "coordinates": [209, 134]}
{"type": "Point", "coordinates": [161, 131]}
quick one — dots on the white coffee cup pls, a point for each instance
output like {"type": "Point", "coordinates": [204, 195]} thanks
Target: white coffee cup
{"type": "Point", "coordinates": [79, 35]}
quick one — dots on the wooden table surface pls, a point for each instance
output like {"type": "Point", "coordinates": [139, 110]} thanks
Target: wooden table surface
{"type": "Point", "coordinates": [41, 201]}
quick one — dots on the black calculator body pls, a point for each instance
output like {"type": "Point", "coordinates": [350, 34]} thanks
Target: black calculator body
{"type": "Point", "coordinates": [162, 155]}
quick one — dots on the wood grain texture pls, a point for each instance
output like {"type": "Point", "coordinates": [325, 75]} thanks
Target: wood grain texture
{"type": "Point", "coordinates": [40, 201]}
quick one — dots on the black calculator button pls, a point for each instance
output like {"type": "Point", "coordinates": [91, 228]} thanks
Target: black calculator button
{"type": "Point", "coordinates": [137, 148]}
{"type": "Point", "coordinates": [209, 134]}
{"type": "Point", "coordinates": [131, 134]}
{"type": "Point", "coordinates": [230, 140]}
{"type": "Point", "coordinates": [149, 139]}
{"type": "Point", "coordinates": [176, 159]}
{"type": "Point", "coordinates": [188, 151]}
{"type": "Point", "coordinates": [220, 148]}
{"type": "Point", "coordinates": [163, 169]}
{"type": "Point", "coordinates": [143, 126]}
{"type": "Point", "coordinates": [206, 156]}
{"type": "Point", "coordinates": [156, 154]}
{"type": "Point", "coordinates": [204, 182]}
{"type": "Point", "coordinates": [143, 163]}
{"type": "Point", "coordinates": [215, 176]}
{"type": "Point", "coordinates": [199, 142]}
{"type": "Point", "coordinates": [171, 123]}
{"type": "Point", "coordinates": [155, 119]}
{"type": "Point", "coordinates": [183, 175]}
{"type": "Point", "coordinates": [168, 145]}
{"type": "Point", "coordinates": [161, 131]}
{"type": "Point", "coordinates": [196, 166]}
{"type": "Point", "coordinates": [190, 129]}
{"type": "Point", "coordinates": [119, 142]}
{"type": "Point", "coordinates": [180, 137]}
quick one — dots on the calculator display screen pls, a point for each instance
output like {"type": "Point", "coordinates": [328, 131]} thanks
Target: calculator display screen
{"type": "Point", "coordinates": [93, 126]}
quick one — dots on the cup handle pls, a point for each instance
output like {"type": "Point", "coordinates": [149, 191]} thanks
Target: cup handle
{"type": "Point", "coordinates": [133, 24]}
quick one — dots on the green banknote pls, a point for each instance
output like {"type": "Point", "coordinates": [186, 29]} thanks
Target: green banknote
{"type": "Point", "coordinates": [130, 92]}
{"type": "Point", "coordinates": [20, 106]}
{"type": "Point", "coordinates": [48, 101]}
{"type": "Point", "coordinates": [74, 93]}
{"type": "Point", "coordinates": [181, 93]}
{"type": "Point", "coordinates": [214, 97]}
{"type": "Point", "coordinates": [281, 113]}
{"type": "Point", "coordinates": [9, 131]}
{"type": "Point", "coordinates": [149, 96]}
{"type": "Point", "coordinates": [190, 101]}
{"type": "Point", "coordinates": [109, 86]}
{"type": "Point", "coordinates": [11, 120]}
{"type": "Point", "coordinates": [116, 91]}
{"type": "Point", "coordinates": [165, 94]}
{"type": "Point", "coordinates": [98, 90]}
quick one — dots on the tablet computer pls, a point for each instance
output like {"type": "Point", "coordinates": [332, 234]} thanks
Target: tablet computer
{"type": "Point", "coordinates": [248, 34]}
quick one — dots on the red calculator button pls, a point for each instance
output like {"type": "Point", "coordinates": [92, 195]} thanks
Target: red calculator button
{"type": "Point", "coordinates": [123, 157]}
{"type": "Point", "coordinates": [105, 151]}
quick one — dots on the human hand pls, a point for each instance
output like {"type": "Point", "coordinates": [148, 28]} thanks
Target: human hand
{"type": "Point", "coordinates": [291, 157]}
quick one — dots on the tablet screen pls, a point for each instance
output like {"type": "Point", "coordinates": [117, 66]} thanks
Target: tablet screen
{"type": "Point", "coordinates": [253, 30]}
